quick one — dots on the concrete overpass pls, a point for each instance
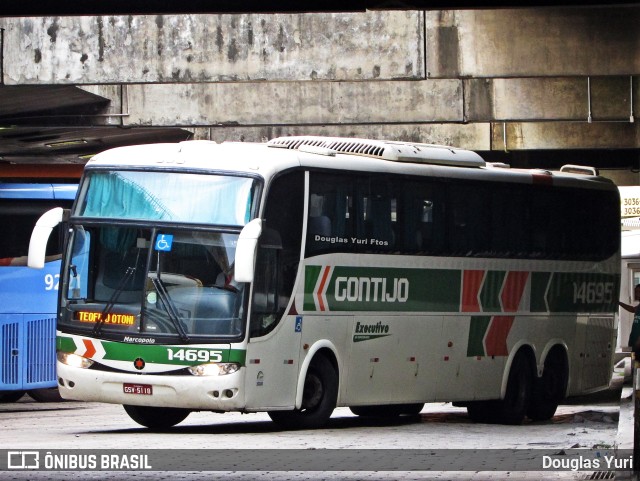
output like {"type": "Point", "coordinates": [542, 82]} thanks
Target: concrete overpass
{"type": "Point", "coordinates": [538, 87]}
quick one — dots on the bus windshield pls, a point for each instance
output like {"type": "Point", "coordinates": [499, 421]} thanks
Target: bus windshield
{"type": "Point", "coordinates": [171, 278]}
{"type": "Point", "coordinates": [162, 196]}
{"type": "Point", "coordinates": [166, 283]}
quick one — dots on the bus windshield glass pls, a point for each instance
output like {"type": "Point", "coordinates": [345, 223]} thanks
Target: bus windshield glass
{"type": "Point", "coordinates": [171, 276]}
{"type": "Point", "coordinates": [165, 283]}
{"type": "Point", "coordinates": [163, 196]}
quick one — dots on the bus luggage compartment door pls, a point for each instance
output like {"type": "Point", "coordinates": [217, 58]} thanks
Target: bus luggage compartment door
{"type": "Point", "coordinates": [27, 351]}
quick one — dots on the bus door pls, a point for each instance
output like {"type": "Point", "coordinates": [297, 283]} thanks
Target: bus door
{"type": "Point", "coordinates": [272, 363]}
{"type": "Point", "coordinates": [272, 360]}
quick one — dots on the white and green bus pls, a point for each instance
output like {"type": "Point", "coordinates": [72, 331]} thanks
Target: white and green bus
{"type": "Point", "coordinates": [306, 273]}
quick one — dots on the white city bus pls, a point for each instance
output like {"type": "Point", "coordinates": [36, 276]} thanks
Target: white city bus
{"type": "Point", "coordinates": [307, 273]}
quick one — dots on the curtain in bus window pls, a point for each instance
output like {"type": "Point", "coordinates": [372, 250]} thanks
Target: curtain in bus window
{"type": "Point", "coordinates": [113, 195]}
{"type": "Point", "coordinates": [170, 196]}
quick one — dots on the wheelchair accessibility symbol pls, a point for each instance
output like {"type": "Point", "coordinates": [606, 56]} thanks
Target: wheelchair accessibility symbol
{"type": "Point", "coordinates": [164, 242]}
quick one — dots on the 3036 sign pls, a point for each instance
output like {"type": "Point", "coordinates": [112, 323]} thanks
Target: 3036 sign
{"type": "Point", "coordinates": [194, 355]}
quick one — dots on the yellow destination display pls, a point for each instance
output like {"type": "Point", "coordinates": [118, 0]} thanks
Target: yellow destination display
{"type": "Point", "coordinates": [114, 319]}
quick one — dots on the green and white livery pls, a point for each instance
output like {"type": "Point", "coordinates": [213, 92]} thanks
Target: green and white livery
{"type": "Point", "coordinates": [307, 273]}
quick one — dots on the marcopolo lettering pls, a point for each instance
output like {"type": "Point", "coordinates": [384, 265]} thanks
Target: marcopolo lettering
{"type": "Point", "coordinates": [371, 289]}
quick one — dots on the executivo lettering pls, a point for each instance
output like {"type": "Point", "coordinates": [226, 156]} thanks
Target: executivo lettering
{"type": "Point", "coordinates": [371, 289]}
{"type": "Point", "coordinates": [366, 332]}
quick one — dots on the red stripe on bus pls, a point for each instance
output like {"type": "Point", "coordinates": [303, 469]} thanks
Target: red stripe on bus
{"type": "Point", "coordinates": [91, 349]}
{"type": "Point", "coordinates": [323, 282]}
{"type": "Point", "coordinates": [513, 289]}
{"type": "Point", "coordinates": [495, 342]}
{"type": "Point", "coordinates": [471, 283]}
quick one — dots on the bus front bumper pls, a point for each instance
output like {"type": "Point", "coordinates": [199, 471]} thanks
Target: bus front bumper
{"type": "Point", "coordinates": [211, 393]}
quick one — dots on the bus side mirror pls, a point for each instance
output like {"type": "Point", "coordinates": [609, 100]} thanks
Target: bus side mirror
{"type": "Point", "coordinates": [40, 236]}
{"type": "Point", "coordinates": [246, 251]}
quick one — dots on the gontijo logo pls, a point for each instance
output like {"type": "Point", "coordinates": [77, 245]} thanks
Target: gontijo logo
{"type": "Point", "coordinates": [331, 288]}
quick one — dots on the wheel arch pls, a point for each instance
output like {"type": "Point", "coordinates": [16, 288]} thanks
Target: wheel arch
{"type": "Point", "coordinates": [321, 348]}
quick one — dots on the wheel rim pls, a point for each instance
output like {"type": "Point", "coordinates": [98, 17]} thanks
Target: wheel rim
{"type": "Point", "coordinates": [313, 392]}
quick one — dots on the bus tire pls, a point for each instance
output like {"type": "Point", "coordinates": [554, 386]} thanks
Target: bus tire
{"type": "Point", "coordinates": [10, 396]}
{"type": "Point", "coordinates": [318, 399]}
{"type": "Point", "coordinates": [156, 417]}
{"type": "Point", "coordinates": [513, 408]}
{"type": "Point", "coordinates": [388, 411]}
{"type": "Point", "coordinates": [550, 389]}
{"type": "Point", "coordinates": [46, 395]}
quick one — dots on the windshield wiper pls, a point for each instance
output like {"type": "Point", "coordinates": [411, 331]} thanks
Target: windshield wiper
{"type": "Point", "coordinates": [113, 299]}
{"type": "Point", "coordinates": [170, 307]}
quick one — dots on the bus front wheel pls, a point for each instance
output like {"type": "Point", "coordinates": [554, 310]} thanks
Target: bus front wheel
{"type": "Point", "coordinates": [318, 399]}
{"type": "Point", "coordinates": [156, 417]}
{"type": "Point", "coordinates": [513, 408]}
{"type": "Point", "coordinates": [550, 389]}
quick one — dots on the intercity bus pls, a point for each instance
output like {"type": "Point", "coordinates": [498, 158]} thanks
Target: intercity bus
{"type": "Point", "coordinates": [29, 298]}
{"type": "Point", "coordinates": [306, 273]}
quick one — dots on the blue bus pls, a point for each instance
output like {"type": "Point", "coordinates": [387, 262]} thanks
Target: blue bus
{"type": "Point", "coordinates": [28, 297]}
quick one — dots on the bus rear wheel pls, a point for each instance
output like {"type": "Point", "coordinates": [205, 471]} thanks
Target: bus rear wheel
{"type": "Point", "coordinates": [156, 417]}
{"type": "Point", "coordinates": [318, 399]}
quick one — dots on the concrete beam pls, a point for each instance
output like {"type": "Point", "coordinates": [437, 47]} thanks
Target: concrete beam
{"type": "Point", "coordinates": [374, 45]}
{"type": "Point", "coordinates": [528, 42]}
{"type": "Point", "coordinates": [564, 135]}
{"type": "Point", "coordinates": [283, 103]}
{"type": "Point", "coordinates": [574, 98]}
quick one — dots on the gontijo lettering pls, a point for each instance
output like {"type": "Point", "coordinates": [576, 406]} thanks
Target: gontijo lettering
{"type": "Point", "coordinates": [373, 289]}
{"type": "Point", "coordinates": [112, 318]}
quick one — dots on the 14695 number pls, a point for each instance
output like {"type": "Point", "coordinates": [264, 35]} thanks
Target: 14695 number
{"type": "Point", "coordinates": [193, 355]}
{"type": "Point", "coordinates": [593, 292]}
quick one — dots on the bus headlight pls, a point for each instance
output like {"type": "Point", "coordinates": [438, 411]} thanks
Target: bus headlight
{"type": "Point", "coordinates": [214, 369]}
{"type": "Point", "coordinates": [74, 360]}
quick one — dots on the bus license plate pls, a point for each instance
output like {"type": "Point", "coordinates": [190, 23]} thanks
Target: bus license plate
{"type": "Point", "coordinates": [137, 389]}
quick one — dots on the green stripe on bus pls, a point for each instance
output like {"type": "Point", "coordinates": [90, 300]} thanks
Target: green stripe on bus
{"type": "Point", "coordinates": [184, 355]}
{"type": "Point", "coordinates": [385, 289]}
{"type": "Point", "coordinates": [490, 292]}
{"type": "Point", "coordinates": [65, 344]}
{"type": "Point", "coordinates": [311, 274]}
{"type": "Point", "coordinates": [477, 330]}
